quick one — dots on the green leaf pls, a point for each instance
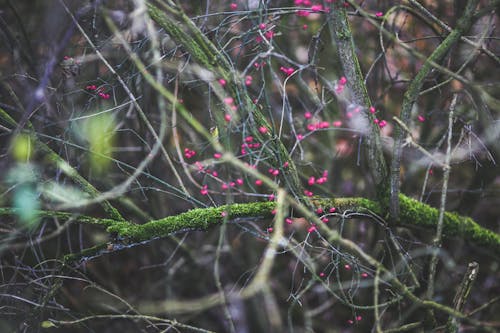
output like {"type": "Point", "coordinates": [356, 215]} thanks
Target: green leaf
{"type": "Point", "coordinates": [47, 324]}
{"type": "Point", "coordinates": [99, 132]}
{"type": "Point", "coordinates": [22, 147]}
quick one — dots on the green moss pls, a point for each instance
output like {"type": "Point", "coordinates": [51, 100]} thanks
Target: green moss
{"type": "Point", "coordinates": [342, 204]}
{"type": "Point", "coordinates": [89, 252]}
{"type": "Point", "coordinates": [198, 219]}
{"type": "Point", "coordinates": [413, 214]}
{"type": "Point", "coordinates": [419, 214]}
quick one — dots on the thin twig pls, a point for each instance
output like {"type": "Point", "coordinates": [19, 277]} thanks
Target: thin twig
{"type": "Point", "coordinates": [410, 140]}
{"type": "Point", "coordinates": [444, 191]}
{"type": "Point", "coordinates": [462, 294]}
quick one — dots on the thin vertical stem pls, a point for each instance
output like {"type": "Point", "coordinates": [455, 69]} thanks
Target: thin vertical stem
{"type": "Point", "coordinates": [376, 283]}
{"type": "Point", "coordinates": [439, 232]}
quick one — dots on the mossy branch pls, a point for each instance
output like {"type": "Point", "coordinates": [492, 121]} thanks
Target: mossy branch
{"type": "Point", "coordinates": [414, 214]}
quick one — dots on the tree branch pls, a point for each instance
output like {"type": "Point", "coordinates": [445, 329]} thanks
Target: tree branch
{"type": "Point", "coordinates": [414, 214]}
{"type": "Point", "coordinates": [342, 35]}
{"type": "Point", "coordinates": [411, 96]}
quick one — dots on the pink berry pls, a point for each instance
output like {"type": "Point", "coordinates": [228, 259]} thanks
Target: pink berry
{"type": "Point", "coordinates": [316, 8]}
{"type": "Point", "coordinates": [204, 190]}
{"type": "Point", "coordinates": [321, 180]}
{"type": "Point", "coordinates": [269, 34]}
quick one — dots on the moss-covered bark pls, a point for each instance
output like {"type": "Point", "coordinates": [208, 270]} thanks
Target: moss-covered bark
{"type": "Point", "coordinates": [413, 214]}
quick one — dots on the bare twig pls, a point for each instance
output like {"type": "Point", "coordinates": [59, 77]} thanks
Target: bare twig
{"type": "Point", "coordinates": [462, 294]}
{"type": "Point", "coordinates": [444, 192]}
